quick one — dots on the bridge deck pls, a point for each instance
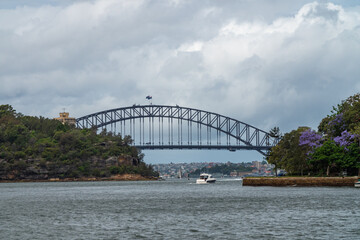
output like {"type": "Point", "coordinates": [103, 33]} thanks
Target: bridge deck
{"type": "Point", "coordinates": [209, 147]}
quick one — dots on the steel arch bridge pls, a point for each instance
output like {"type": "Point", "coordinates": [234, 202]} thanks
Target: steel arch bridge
{"type": "Point", "coordinates": [175, 127]}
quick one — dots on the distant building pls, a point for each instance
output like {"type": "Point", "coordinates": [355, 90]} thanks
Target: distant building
{"type": "Point", "coordinates": [64, 118]}
{"type": "Point", "coordinates": [257, 164]}
{"type": "Point", "coordinates": [179, 173]}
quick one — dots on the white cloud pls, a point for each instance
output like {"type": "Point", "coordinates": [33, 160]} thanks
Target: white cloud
{"type": "Point", "coordinates": [191, 47]}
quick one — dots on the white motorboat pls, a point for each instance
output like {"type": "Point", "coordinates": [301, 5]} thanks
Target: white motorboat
{"type": "Point", "coordinates": [205, 178]}
{"type": "Point", "coordinates": [357, 184]}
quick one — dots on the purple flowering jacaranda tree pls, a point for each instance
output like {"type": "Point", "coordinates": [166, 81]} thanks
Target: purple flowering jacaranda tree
{"type": "Point", "coordinates": [337, 125]}
{"type": "Point", "coordinates": [345, 139]}
{"type": "Point", "coordinates": [310, 138]}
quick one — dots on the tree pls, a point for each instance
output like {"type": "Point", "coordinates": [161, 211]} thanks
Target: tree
{"type": "Point", "coordinates": [310, 139]}
{"type": "Point", "coordinates": [345, 116]}
{"type": "Point", "coordinates": [7, 110]}
{"type": "Point", "coordinates": [352, 159]}
{"type": "Point", "coordinates": [288, 154]}
{"type": "Point", "coordinates": [323, 158]}
{"type": "Point", "coordinates": [336, 156]}
{"type": "Point", "coordinates": [343, 127]}
{"type": "Point", "coordinates": [275, 132]}
{"type": "Point", "coordinates": [276, 156]}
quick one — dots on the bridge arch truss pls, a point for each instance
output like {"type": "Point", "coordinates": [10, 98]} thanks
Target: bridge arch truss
{"type": "Point", "coordinates": [175, 127]}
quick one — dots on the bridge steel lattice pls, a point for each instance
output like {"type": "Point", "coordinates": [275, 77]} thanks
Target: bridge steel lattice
{"type": "Point", "coordinates": [175, 127]}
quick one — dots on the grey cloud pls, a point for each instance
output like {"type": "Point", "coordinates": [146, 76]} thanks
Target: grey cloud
{"type": "Point", "coordinates": [324, 10]}
{"type": "Point", "coordinates": [265, 63]}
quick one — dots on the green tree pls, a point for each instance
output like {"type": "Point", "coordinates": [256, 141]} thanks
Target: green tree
{"type": "Point", "coordinates": [6, 110]}
{"type": "Point", "coordinates": [275, 132]}
{"type": "Point", "coordinates": [289, 155]}
{"type": "Point", "coordinates": [276, 156]}
{"type": "Point", "coordinates": [323, 158]}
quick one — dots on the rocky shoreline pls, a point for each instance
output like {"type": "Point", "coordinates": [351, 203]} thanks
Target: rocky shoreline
{"type": "Point", "coordinates": [120, 177]}
{"type": "Point", "coordinates": [300, 181]}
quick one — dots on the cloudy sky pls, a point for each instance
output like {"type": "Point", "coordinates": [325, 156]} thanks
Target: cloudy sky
{"type": "Point", "coordinates": [267, 63]}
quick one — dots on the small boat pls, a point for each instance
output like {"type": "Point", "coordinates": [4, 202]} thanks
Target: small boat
{"type": "Point", "coordinates": [357, 184]}
{"type": "Point", "coordinates": [205, 178]}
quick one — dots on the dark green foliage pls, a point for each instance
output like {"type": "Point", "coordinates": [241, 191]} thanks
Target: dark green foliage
{"type": "Point", "coordinates": [6, 110]}
{"type": "Point", "coordinates": [47, 145]}
{"type": "Point", "coordinates": [289, 155]}
{"type": "Point", "coordinates": [332, 158]}
{"type": "Point", "coordinates": [326, 156]}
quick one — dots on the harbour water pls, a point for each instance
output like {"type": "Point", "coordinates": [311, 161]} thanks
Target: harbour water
{"type": "Point", "coordinates": [178, 209]}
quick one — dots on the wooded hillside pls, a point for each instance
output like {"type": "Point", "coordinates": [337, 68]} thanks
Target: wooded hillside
{"type": "Point", "coordinates": [41, 148]}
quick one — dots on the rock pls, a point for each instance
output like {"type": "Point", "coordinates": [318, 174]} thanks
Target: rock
{"type": "Point", "coordinates": [128, 160]}
{"type": "Point", "coordinates": [111, 161]}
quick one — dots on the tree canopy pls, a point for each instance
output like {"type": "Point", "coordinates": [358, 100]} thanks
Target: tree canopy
{"type": "Point", "coordinates": [332, 150]}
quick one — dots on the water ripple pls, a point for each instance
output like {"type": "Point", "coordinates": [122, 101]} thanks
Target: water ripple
{"type": "Point", "coordinates": [175, 210]}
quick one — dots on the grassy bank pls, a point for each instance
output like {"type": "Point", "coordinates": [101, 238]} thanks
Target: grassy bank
{"type": "Point", "coordinates": [300, 181]}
